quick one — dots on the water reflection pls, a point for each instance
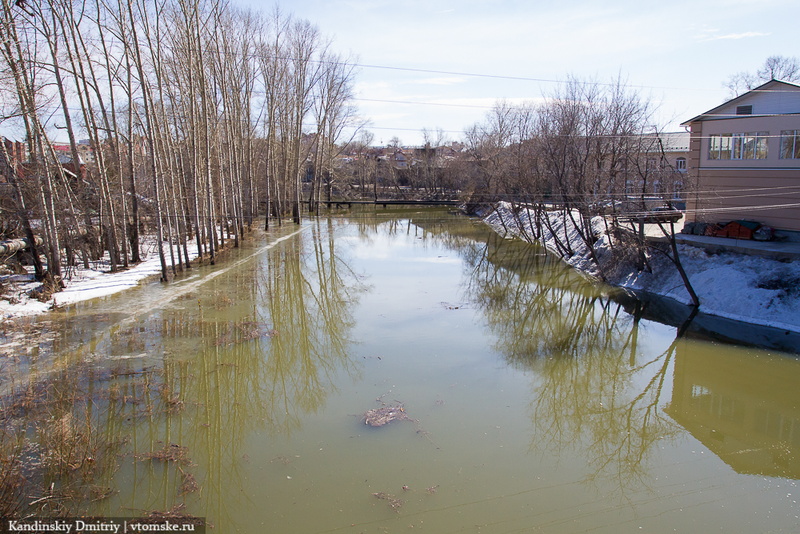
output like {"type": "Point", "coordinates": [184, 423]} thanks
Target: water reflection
{"type": "Point", "coordinates": [213, 388]}
{"type": "Point", "coordinates": [262, 350]}
{"type": "Point", "coordinates": [187, 377]}
{"type": "Point", "coordinates": [745, 412]}
{"type": "Point", "coordinates": [598, 389]}
{"type": "Point", "coordinates": [308, 295]}
{"type": "Point", "coordinates": [591, 389]}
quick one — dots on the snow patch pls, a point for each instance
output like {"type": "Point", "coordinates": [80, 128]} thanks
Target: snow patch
{"type": "Point", "coordinates": [84, 284]}
{"type": "Point", "coordinates": [81, 284]}
{"type": "Point", "coordinates": [746, 288]}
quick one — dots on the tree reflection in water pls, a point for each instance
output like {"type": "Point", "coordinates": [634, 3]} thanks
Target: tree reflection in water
{"type": "Point", "coordinates": [206, 363]}
{"type": "Point", "coordinates": [236, 363]}
{"type": "Point", "coordinates": [308, 297]}
{"type": "Point", "coordinates": [592, 390]}
{"type": "Point", "coordinates": [269, 351]}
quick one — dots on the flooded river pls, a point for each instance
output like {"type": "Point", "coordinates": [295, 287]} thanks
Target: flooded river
{"type": "Point", "coordinates": [526, 398]}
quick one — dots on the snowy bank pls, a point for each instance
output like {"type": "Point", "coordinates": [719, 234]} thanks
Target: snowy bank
{"type": "Point", "coordinates": [745, 288]}
{"type": "Point", "coordinates": [97, 281]}
{"type": "Point", "coordinates": [81, 284]}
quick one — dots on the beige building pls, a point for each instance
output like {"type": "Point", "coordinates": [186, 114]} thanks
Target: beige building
{"type": "Point", "coordinates": [745, 157]}
{"type": "Point", "coordinates": [675, 150]}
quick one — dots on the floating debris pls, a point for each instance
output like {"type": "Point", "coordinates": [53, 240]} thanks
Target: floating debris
{"type": "Point", "coordinates": [100, 493]}
{"type": "Point", "coordinates": [394, 503]}
{"type": "Point", "coordinates": [189, 484]}
{"type": "Point", "coordinates": [385, 415]}
{"type": "Point", "coordinates": [170, 453]}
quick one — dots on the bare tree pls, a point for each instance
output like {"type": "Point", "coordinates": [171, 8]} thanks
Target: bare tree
{"type": "Point", "coordinates": [782, 68]}
{"type": "Point", "coordinates": [175, 96]}
{"type": "Point", "coordinates": [333, 113]}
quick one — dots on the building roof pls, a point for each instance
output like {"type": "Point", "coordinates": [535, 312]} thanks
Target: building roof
{"type": "Point", "coordinates": [675, 141]}
{"type": "Point", "coordinates": [718, 112]}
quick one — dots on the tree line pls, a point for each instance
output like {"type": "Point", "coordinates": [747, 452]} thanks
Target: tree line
{"type": "Point", "coordinates": [196, 113]}
{"type": "Point", "coordinates": [589, 159]}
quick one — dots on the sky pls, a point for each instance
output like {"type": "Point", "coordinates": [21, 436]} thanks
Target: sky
{"type": "Point", "coordinates": [442, 64]}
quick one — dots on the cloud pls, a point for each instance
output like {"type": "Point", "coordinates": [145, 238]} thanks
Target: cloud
{"type": "Point", "coordinates": [483, 102]}
{"type": "Point", "coordinates": [372, 85]}
{"type": "Point", "coordinates": [439, 81]}
{"type": "Point", "coordinates": [735, 36]}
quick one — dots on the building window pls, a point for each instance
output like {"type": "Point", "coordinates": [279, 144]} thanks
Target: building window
{"type": "Point", "coordinates": [719, 147]}
{"type": "Point", "coordinates": [744, 110]}
{"type": "Point", "coordinates": [761, 145]}
{"type": "Point", "coordinates": [790, 144]}
{"type": "Point", "coordinates": [751, 145]}
{"type": "Point", "coordinates": [680, 164]}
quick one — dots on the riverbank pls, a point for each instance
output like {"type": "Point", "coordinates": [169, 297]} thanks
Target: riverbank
{"type": "Point", "coordinates": [81, 284]}
{"type": "Point", "coordinates": [735, 286]}
{"type": "Point", "coordinates": [751, 289]}
{"type": "Point", "coordinates": [18, 295]}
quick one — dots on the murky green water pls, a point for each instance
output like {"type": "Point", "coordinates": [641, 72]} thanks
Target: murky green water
{"type": "Point", "coordinates": [535, 402]}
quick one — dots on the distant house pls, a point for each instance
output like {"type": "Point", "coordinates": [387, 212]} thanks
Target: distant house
{"type": "Point", "coordinates": [745, 156]}
{"type": "Point", "coordinates": [398, 159]}
{"type": "Point", "coordinates": [63, 153]}
{"type": "Point", "coordinates": [64, 156]}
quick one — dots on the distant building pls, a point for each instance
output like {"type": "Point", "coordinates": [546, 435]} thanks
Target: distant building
{"type": "Point", "coordinates": [745, 155]}
{"type": "Point", "coordinates": [11, 157]}
{"type": "Point", "coordinates": [676, 149]}
{"type": "Point", "coordinates": [666, 158]}
{"type": "Point", "coordinates": [398, 159]}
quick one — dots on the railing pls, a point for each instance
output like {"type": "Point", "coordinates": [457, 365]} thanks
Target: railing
{"type": "Point", "coordinates": [387, 202]}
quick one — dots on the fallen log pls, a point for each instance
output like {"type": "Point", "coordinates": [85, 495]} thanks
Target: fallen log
{"type": "Point", "coordinates": [10, 246]}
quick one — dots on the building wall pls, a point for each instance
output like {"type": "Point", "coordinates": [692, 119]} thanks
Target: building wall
{"type": "Point", "coordinates": [772, 125]}
{"type": "Point", "coordinates": [745, 189]}
{"type": "Point", "coordinates": [770, 99]}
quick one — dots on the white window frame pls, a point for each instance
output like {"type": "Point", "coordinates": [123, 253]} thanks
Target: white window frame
{"type": "Point", "coordinates": [790, 144]}
{"type": "Point", "coordinates": [738, 146]}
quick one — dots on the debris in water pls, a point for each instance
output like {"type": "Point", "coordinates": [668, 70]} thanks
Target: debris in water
{"type": "Point", "coordinates": [176, 513]}
{"type": "Point", "coordinates": [189, 484]}
{"type": "Point", "coordinates": [100, 493]}
{"type": "Point", "coordinates": [393, 501]}
{"type": "Point", "coordinates": [385, 415]}
{"type": "Point", "coordinates": [170, 453]}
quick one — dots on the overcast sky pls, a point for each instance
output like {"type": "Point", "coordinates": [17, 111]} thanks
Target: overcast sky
{"type": "Point", "coordinates": [678, 53]}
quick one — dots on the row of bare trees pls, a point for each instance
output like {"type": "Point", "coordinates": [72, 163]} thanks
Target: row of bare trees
{"type": "Point", "coordinates": [588, 153]}
{"type": "Point", "coordinates": [196, 114]}
{"type": "Point", "coordinates": [587, 143]}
